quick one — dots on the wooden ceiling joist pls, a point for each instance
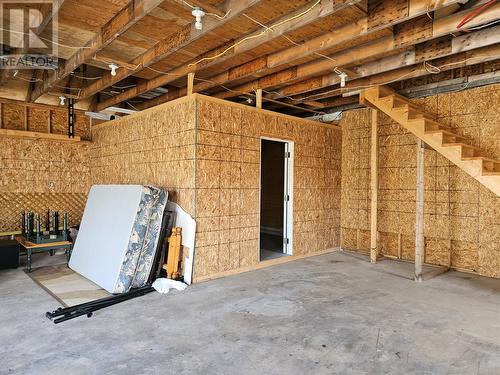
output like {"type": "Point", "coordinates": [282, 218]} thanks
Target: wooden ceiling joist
{"type": "Point", "coordinates": [403, 38]}
{"type": "Point", "coordinates": [416, 55]}
{"type": "Point", "coordinates": [168, 46]}
{"type": "Point", "coordinates": [49, 11]}
{"type": "Point", "coordinates": [242, 45]}
{"type": "Point", "coordinates": [277, 60]}
{"type": "Point", "coordinates": [122, 21]}
{"type": "Point", "coordinates": [460, 60]}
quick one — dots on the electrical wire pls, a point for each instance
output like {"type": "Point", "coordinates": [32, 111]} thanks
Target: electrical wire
{"type": "Point", "coordinates": [165, 73]}
{"type": "Point", "coordinates": [475, 13]}
{"type": "Point", "coordinates": [123, 87]}
{"type": "Point", "coordinates": [82, 77]}
{"type": "Point", "coordinates": [133, 107]}
{"type": "Point", "coordinates": [258, 35]}
{"type": "Point", "coordinates": [482, 26]}
{"type": "Point", "coordinates": [440, 67]}
{"type": "Point", "coordinates": [208, 13]}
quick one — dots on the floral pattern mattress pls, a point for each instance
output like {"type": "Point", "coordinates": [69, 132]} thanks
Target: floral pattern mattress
{"type": "Point", "coordinates": [118, 235]}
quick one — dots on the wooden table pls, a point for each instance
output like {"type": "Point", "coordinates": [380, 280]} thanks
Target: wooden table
{"type": "Point", "coordinates": [31, 248]}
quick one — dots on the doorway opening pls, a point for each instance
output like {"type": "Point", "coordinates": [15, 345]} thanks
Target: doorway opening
{"type": "Point", "coordinates": [275, 198]}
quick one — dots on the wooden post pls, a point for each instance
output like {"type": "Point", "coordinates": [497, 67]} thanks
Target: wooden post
{"type": "Point", "coordinates": [190, 83]}
{"type": "Point", "coordinates": [419, 222]}
{"type": "Point", "coordinates": [49, 121]}
{"type": "Point", "coordinates": [26, 113]}
{"type": "Point", "coordinates": [374, 252]}
{"type": "Point", "coordinates": [258, 98]}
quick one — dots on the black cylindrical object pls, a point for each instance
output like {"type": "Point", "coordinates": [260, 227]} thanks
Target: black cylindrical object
{"type": "Point", "coordinates": [30, 223]}
{"type": "Point", "coordinates": [47, 221]}
{"type": "Point", "coordinates": [55, 223]}
{"type": "Point", "coordinates": [65, 222]}
{"type": "Point", "coordinates": [38, 226]}
{"type": "Point", "coordinates": [23, 222]}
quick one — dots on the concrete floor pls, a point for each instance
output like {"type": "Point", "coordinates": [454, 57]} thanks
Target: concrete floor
{"type": "Point", "coordinates": [330, 314]}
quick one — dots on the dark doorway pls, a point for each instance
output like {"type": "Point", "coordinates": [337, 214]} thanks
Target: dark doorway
{"type": "Point", "coordinates": [273, 199]}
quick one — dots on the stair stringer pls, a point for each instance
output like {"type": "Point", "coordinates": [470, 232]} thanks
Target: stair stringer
{"type": "Point", "coordinates": [436, 135]}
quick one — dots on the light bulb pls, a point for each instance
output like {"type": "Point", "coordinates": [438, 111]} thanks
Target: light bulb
{"type": "Point", "coordinates": [62, 100]}
{"type": "Point", "coordinates": [343, 78]}
{"type": "Point", "coordinates": [198, 13]}
{"type": "Point", "coordinates": [113, 68]}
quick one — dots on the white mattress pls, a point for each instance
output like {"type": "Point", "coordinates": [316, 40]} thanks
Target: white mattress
{"type": "Point", "coordinates": [108, 228]}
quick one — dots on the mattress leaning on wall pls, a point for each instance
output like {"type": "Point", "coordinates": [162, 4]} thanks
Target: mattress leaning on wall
{"type": "Point", "coordinates": [118, 235]}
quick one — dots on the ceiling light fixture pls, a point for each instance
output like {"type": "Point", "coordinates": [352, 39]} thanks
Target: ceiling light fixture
{"type": "Point", "coordinates": [198, 13]}
{"type": "Point", "coordinates": [343, 78]}
{"type": "Point", "coordinates": [62, 100]}
{"type": "Point", "coordinates": [113, 68]}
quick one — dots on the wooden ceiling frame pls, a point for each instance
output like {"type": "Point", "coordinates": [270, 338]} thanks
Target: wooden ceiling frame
{"type": "Point", "coordinates": [273, 62]}
{"type": "Point", "coordinates": [128, 16]}
{"type": "Point", "coordinates": [324, 9]}
{"type": "Point", "coordinates": [459, 60]}
{"type": "Point", "coordinates": [171, 44]}
{"type": "Point", "coordinates": [402, 38]}
{"type": "Point", "coordinates": [417, 55]}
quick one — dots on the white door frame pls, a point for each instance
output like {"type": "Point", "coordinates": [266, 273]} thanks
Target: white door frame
{"type": "Point", "coordinates": [288, 191]}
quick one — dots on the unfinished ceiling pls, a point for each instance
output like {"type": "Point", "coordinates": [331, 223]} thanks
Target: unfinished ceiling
{"type": "Point", "coordinates": [307, 57]}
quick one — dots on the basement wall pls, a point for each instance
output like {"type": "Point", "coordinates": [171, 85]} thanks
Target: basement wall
{"type": "Point", "coordinates": [37, 174]}
{"type": "Point", "coordinates": [205, 151]}
{"type": "Point", "coordinates": [462, 218]}
{"type": "Point", "coordinates": [153, 147]}
{"type": "Point", "coordinates": [228, 184]}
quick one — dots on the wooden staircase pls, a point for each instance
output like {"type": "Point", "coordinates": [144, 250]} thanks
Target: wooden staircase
{"type": "Point", "coordinates": [440, 137]}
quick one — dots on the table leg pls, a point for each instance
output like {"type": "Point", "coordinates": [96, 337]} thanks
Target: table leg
{"type": "Point", "coordinates": [68, 253]}
{"type": "Point", "coordinates": [28, 260]}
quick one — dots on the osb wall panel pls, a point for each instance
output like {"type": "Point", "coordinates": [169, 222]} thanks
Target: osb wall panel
{"type": "Point", "coordinates": [39, 118]}
{"type": "Point", "coordinates": [462, 218]}
{"type": "Point", "coordinates": [40, 174]}
{"type": "Point", "coordinates": [227, 184]}
{"type": "Point", "coordinates": [155, 147]}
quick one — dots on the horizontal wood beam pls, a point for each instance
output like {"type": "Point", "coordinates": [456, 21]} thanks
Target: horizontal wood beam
{"type": "Point", "coordinates": [122, 21]}
{"type": "Point", "coordinates": [418, 55]}
{"type": "Point", "coordinates": [37, 135]}
{"type": "Point", "coordinates": [166, 47]}
{"type": "Point", "coordinates": [244, 44]}
{"type": "Point", "coordinates": [459, 60]}
{"type": "Point", "coordinates": [404, 36]}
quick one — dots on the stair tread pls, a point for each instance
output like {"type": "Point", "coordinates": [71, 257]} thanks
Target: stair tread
{"type": "Point", "coordinates": [454, 144]}
{"type": "Point", "coordinates": [480, 158]}
{"type": "Point", "coordinates": [446, 131]}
